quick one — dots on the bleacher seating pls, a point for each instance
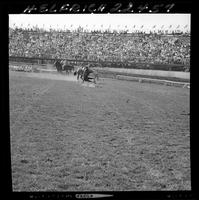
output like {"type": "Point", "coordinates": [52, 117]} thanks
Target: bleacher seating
{"type": "Point", "coordinates": [135, 47]}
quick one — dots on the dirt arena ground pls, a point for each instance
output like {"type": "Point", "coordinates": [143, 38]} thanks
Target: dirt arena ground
{"type": "Point", "coordinates": [118, 136]}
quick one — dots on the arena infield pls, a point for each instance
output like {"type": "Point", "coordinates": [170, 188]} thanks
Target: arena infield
{"type": "Point", "coordinates": [117, 136]}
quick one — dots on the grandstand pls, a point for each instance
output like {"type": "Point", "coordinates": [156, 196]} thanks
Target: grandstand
{"type": "Point", "coordinates": [139, 47]}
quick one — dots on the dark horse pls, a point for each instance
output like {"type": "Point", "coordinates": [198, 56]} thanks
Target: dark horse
{"type": "Point", "coordinates": [68, 68]}
{"type": "Point", "coordinates": [63, 67]}
{"type": "Point", "coordinates": [89, 74]}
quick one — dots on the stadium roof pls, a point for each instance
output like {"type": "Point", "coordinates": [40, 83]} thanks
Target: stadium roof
{"type": "Point", "coordinates": [145, 22]}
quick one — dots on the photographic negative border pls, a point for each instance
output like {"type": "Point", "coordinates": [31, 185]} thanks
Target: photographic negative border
{"type": "Point", "coordinates": [74, 7]}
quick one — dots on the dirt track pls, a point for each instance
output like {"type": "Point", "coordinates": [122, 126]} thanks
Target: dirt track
{"type": "Point", "coordinates": [117, 136]}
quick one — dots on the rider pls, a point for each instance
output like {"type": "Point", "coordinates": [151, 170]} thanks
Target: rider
{"type": "Point", "coordinates": [86, 73]}
{"type": "Point", "coordinates": [57, 64]}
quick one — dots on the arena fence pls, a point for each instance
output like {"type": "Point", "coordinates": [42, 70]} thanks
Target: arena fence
{"type": "Point", "coordinates": [147, 73]}
{"type": "Point", "coordinates": [103, 64]}
{"type": "Point", "coordinates": [156, 81]}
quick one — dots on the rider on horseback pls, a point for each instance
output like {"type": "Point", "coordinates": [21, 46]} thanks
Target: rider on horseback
{"type": "Point", "coordinates": [84, 74]}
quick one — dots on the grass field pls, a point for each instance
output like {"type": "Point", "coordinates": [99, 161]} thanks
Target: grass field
{"type": "Point", "coordinates": [118, 136]}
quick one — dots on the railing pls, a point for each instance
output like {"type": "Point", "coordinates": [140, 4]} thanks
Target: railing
{"type": "Point", "coordinates": [124, 33]}
{"type": "Point", "coordinates": [128, 65]}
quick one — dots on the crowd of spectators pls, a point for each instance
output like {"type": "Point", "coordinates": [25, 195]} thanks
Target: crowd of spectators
{"type": "Point", "coordinates": [102, 46]}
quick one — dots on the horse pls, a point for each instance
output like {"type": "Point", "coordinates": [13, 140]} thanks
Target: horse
{"type": "Point", "coordinates": [63, 66]}
{"type": "Point", "coordinates": [89, 74]}
{"type": "Point", "coordinates": [66, 67]}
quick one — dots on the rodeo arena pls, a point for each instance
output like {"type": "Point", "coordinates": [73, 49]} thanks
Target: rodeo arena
{"type": "Point", "coordinates": [101, 109]}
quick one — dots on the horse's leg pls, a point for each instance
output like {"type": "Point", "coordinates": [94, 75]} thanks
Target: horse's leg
{"type": "Point", "coordinates": [79, 76]}
{"type": "Point", "coordinates": [89, 79]}
{"type": "Point", "coordinates": [83, 79]}
{"type": "Point", "coordinates": [94, 80]}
